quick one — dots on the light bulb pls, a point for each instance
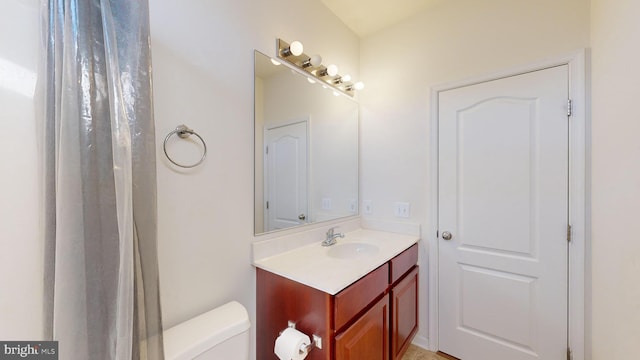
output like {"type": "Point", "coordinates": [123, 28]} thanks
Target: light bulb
{"type": "Point", "coordinates": [359, 85]}
{"type": "Point", "coordinates": [296, 48]}
{"type": "Point", "coordinates": [315, 60]}
{"type": "Point", "coordinates": [275, 62]}
{"type": "Point", "coordinates": [332, 70]}
{"type": "Point", "coordinates": [346, 78]}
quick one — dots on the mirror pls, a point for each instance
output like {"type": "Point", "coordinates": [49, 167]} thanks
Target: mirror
{"type": "Point", "coordinates": [306, 149]}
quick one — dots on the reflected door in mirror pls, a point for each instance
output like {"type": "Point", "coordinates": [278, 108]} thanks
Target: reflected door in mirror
{"type": "Point", "coordinates": [286, 180]}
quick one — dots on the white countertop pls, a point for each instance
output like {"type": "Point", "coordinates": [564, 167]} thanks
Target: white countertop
{"type": "Point", "coordinates": [311, 264]}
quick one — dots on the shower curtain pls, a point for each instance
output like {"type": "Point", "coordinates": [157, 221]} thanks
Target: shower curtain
{"type": "Point", "coordinates": [101, 267]}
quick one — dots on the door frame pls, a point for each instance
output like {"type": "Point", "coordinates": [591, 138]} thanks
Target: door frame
{"type": "Point", "coordinates": [579, 199]}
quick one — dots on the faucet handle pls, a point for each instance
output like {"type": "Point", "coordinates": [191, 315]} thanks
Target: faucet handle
{"type": "Point", "coordinates": [331, 230]}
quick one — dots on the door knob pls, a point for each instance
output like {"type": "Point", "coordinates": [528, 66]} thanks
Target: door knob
{"type": "Point", "coordinates": [447, 235]}
{"type": "Point", "coordinates": [302, 216]}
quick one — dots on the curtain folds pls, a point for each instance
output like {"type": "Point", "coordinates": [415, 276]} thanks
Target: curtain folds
{"type": "Point", "coordinates": [101, 266]}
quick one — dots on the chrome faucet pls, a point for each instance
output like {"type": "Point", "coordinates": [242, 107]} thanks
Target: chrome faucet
{"type": "Point", "coordinates": [331, 237]}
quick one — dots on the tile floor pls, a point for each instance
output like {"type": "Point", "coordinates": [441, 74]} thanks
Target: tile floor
{"type": "Point", "coordinates": [416, 353]}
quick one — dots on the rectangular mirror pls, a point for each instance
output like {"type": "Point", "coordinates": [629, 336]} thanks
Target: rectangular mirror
{"type": "Point", "coordinates": [306, 144]}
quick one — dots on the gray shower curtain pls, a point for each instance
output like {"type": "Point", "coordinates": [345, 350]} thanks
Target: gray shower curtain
{"type": "Point", "coordinates": [101, 267]}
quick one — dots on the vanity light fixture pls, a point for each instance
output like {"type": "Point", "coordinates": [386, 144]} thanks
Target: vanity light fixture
{"type": "Point", "coordinates": [315, 61]}
{"type": "Point", "coordinates": [358, 86]}
{"type": "Point", "coordinates": [313, 68]}
{"type": "Point", "coordinates": [339, 80]}
{"type": "Point", "coordinates": [294, 49]}
{"type": "Point", "coordinates": [331, 70]}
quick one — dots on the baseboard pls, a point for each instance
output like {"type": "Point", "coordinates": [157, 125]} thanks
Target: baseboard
{"type": "Point", "coordinates": [421, 342]}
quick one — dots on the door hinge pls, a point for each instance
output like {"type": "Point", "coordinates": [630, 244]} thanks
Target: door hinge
{"type": "Point", "coordinates": [437, 234]}
{"type": "Point", "coordinates": [569, 107]}
{"type": "Point", "coordinates": [267, 205]}
{"type": "Point", "coordinates": [266, 150]}
{"type": "Point", "coordinates": [569, 233]}
{"type": "Point", "coordinates": [569, 354]}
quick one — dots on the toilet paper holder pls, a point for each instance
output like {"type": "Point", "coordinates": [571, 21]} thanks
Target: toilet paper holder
{"type": "Point", "coordinates": [315, 339]}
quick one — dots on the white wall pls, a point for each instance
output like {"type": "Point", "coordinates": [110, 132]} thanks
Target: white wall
{"type": "Point", "coordinates": [203, 77]}
{"type": "Point", "coordinates": [452, 41]}
{"type": "Point", "coordinates": [21, 247]}
{"type": "Point", "coordinates": [616, 179]}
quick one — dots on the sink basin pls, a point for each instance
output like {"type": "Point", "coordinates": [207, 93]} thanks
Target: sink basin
{"type": "Point", "coordinates": [352, 250]}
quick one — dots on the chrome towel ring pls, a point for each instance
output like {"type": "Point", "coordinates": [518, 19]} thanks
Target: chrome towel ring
{"type": "Point", "coordinates": [184, 132]}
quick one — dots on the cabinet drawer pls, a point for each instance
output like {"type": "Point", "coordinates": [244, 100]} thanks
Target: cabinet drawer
{"type": "Point", "coordinates": [354, 299]}
{"type": "Point", "coordinates": [403, 263]}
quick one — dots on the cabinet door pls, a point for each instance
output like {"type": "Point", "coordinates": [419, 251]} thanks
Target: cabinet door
{"type": "Point", "coordinates": [404, 313]}
{"type": "Point", "coordinates": [281, 300]}
{"type": "Point", "coordinates": [368, 337]}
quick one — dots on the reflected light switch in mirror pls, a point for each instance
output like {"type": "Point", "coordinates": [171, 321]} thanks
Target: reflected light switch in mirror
{"type": "Point", "coordinates": [326, 203]}
{"type": "Point", "coordinates": [353, 206]}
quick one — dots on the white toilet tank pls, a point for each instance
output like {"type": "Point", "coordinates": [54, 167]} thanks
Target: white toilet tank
{"type": "Point", "coordinates": [220, 334]}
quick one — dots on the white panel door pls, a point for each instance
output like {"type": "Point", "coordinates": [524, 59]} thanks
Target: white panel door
{"type": "Point", "coordinates": [503, 198]}
{"type": "Point", "coordinates": [286, 174]}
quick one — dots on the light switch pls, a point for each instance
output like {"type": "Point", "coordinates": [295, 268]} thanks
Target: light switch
{"type": "Point", "coordinates": [402, 209]}
{"type": "Point", "coordinates": [368, 208]}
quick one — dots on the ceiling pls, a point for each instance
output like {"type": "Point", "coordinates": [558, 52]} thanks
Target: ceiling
{"type": "Point", "coordinates": [365, 17]}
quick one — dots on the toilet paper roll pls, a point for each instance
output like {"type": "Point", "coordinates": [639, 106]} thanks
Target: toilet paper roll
{"type": "Point", "coordinates": [289, 343]}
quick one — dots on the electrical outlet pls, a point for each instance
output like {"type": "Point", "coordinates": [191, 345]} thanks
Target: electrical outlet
{"type": "Point", "coordinates": [402, 209]}
{"type": "Point", "coordinates": [368, 208]}
{"type": "Point", "coordinates": [326, 203]}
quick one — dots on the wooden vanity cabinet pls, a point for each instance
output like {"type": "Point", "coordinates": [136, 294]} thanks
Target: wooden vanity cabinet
{"type": "Point", "coordinates": [368, 337]}
{"type": "Point", "coordinates": [279, 300]}
{"type": "Point", "coordinates": [356, 298]}
{"type": "Point", "coordinates": [375, 318]}
{"type": "Point", "coordinates": [404, 308]}
{"type": "Point", "coordinates": [403, 291]}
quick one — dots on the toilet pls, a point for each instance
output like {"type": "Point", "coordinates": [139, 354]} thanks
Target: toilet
{"type": "Point", "coordinates": [220, 334]}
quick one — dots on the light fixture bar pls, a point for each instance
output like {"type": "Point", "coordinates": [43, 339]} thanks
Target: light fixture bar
{"type": "Point", "coordinates": [313, 67]}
